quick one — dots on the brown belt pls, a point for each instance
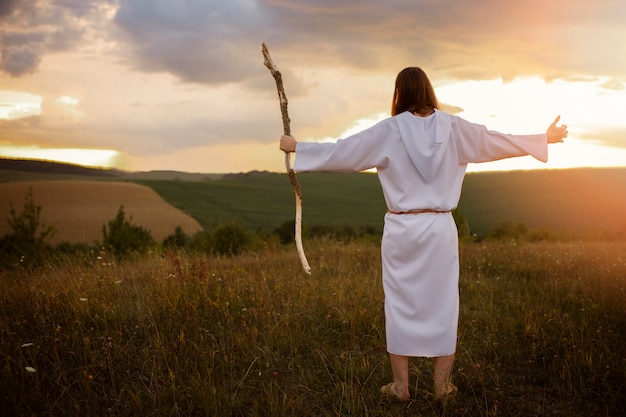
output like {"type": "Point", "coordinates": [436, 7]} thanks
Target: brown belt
{"type": "Point", "coordinates": [418, 211]}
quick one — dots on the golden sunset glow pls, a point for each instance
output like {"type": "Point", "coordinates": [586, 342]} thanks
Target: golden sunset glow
{"type": "Point", "coordinates": [88, 157]}
{"type": "Point", "coordinates": [15, 104]}
{"type": "Point", "coordinates": [181, 85]}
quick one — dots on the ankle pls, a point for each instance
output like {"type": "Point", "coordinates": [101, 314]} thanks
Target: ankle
{"type": "Point", "coordinates": [401, 390]}
{"type": "Point", "coordinates": [444, 388]}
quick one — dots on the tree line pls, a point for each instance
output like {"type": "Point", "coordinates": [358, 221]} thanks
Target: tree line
{"type": "Point", "coordinates": [28, 244]}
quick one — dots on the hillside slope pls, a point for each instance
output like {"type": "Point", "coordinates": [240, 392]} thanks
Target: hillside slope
{"type": "Point", "coordinates": [581, 200]}
{"type": "Point", "coordinates": [578, 200]}
{"type": "Point", "coordinates": [79, 209]}
{"type": "Point", "coordinates": [53, 168]}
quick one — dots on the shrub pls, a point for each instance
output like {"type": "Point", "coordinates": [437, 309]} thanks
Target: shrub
{"type": "Point", "coordinates": [344, 232]}
{"type": "Point", "coordinates": [369, 230]}
{"type": "Point", "coordinates": [178, 240]}
{"type": "Point", "coordinates": [286, 232]}
{"type": "Point", "coordinates": [230, 239]}
{"type": "Point", "coordinates": [26, 244]}
{"type": "Point", "coordinates": [508, 230]}
{"type": "Point", "coordinates": [317, 231]}
{"type": "Point", "coordinates": [201, 242]}
{"type": "Point", "coordinates": [123, 238]}
{"type": "Point", "coordinates": [69, 248]}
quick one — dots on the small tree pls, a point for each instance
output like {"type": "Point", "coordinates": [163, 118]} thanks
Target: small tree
{"type": "Point", "coordinates": [286, 232]}
{"type": "Point", "coordinates": [230, 239]}
{"type": "Point", "coordinates": [123, 238]}
{"type": "Point", "coordinates": [201, 242]}
{"type": "Point", "coordinates": [178, 240]}
{"type": "Point", "coordinates": [316, 231]}
{"type": "Point", "coordinates": [26, 241]}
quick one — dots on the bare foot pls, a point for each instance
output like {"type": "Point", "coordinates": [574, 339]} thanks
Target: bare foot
{"type": "Point", "coordinates": [444, 390]}
{"type": "Point", "coordinates": [391, 391]}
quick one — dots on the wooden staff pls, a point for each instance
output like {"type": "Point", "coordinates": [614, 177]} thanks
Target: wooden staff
{"type": "Point", "coordinates": [292, 175]}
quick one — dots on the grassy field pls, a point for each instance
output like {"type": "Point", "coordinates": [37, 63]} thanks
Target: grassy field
{"type": "Point", "coordinates": [266, 201]}
{"type": "Point", "coordinates": [78, 209]}
{"type": "Point", "coordinates": [577, 201]}
{"type": "Point", "coordinates": [542, 333]}
{"type": "Point", "coordinates": [584, 201]}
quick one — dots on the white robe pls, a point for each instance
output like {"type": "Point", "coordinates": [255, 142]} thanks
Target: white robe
{"type": "Point", "coordinates": [421, 163]}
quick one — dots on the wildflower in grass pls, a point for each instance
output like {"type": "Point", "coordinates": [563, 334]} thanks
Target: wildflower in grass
{"type": "Point", "coordinates": [30, 369]}
{"type": "Point", "coordinates": [27, 345]}
{"type": "Point", "coordinates": [83, 299]}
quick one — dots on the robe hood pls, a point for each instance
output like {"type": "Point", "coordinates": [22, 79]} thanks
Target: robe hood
{"type": "Point", "coordinates": [426, 140]}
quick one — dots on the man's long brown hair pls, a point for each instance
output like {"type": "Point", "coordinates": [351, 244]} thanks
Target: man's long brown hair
{"type": "Point", "coordinates": [413, 92]}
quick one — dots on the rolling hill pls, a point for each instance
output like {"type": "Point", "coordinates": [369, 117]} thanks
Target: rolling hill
{"type": "Point", "coordinates": [578, 200]}
{"type": "Point", "coordinates": [584, 201]}
{"type": "Point", "coordinates": [79, 209]}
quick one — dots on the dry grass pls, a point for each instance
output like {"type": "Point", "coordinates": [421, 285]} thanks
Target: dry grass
{"type": "Point", "coordinates": [79, 209]}
{"type": "Point", "coordinates": [542, 332]}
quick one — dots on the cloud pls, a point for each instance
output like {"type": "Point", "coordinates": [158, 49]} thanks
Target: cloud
{"type": "Point", "coordinates": [464, 40]}
{"type": "Point", "coordinates": [19, 60]}
{"type": "Point", "coordinates": [30, 29]}
{"type": "Point", "coordinates": [612, 137]}
{"type": "Point", "coordinates": [614, 84]}
{"type": "Point", "coordinates": [152, 77]}
{"type": "Point", "coordinates": [207, 42]}
{"type": "Point", "coordinates": [212, 42]}
{"type": "Point", "coordinates": [6, 7]}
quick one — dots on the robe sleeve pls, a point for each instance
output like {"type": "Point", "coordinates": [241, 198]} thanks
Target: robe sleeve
{"type": "Point", "coordinates": [361, 151]}
{"type": "Point", "coordinates": [475, 143]}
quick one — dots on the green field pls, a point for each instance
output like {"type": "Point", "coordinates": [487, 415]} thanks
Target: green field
{"type": "Point", "coordinates": [579, 201]}
{"type": "Point", "coordinates": [266, 201]}
{"type": "Point", "coordinates": [542, 333]}
{"type": "Point", "coordinates": [574, 200]}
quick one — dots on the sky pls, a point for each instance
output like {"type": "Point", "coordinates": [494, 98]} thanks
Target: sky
{"type": "Point", "coordinates": [180, 84]}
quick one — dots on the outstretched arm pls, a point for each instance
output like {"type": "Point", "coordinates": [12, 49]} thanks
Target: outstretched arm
{"type": "Point", "coordinates": [556, 134]}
